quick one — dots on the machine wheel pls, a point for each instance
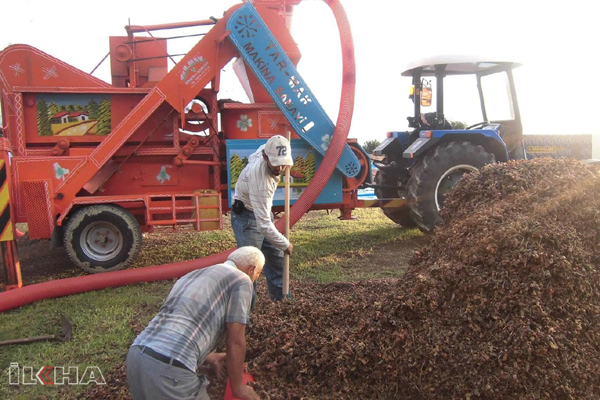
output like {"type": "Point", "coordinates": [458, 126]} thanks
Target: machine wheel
{"type": "Point", "coordinates": [350, 184]}
{"type": "Point", "coordinates": [438, 172]}
{"type": "Point", "coordinates": [102, 238]}
{"type": "Point", "coordinates": [400, 215]}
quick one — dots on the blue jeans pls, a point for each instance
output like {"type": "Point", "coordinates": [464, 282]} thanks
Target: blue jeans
{"type": "Point", "coordinates": [247, 234]}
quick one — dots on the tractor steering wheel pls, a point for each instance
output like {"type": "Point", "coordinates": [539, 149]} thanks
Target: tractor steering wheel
{"type": "Point", "coordinates": [479, 124]}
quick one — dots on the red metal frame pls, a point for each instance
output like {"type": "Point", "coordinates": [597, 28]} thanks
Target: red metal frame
{"type": "Point", "coordinates": [143, 162]}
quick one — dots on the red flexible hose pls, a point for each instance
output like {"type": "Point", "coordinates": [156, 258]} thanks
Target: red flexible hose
{"type": "Point", "coordinates": [88, 283]}
{"type": "Point", "coordinates": [64, 287]}
{"type": "Point", "coordinates": [342, 126]}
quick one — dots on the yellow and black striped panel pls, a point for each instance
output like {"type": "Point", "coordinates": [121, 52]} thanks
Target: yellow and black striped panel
{"type": "Point", "coordinates": [6, 224]}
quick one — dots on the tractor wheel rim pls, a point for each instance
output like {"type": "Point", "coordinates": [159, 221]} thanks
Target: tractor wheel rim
{"type": "Point", "coordinates": [448, 180]}
{"type": "Point", "coordinates": [101, 241]}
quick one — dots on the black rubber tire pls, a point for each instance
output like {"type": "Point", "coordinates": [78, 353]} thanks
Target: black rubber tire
{"type": "Point", "coordinates": [400, 215]}
{"type": "Point", "coordinates": [119, 238]}
{"type": "Point", "coordinates": [437, 172]}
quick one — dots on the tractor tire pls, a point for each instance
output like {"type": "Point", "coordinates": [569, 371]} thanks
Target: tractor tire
{"type": "Point", "coordinates": [436, 173]}
{"type": "Point", "coordinates": [400, 215]}
{"type": "Point", "coordinates": [102, 238]}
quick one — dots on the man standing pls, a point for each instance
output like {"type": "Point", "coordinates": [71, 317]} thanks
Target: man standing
{"type": "Point", "coordinates": [203, 307]}
{"type": "Point", "coordinates": [252, 219]}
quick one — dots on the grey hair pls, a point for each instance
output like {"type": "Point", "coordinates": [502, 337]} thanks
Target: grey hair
{"type": "Point", "coordinates": [247, 256]}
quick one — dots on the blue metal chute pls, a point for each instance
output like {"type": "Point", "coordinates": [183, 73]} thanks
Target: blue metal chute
{"type": "Point", "coordinates": [272, 66]}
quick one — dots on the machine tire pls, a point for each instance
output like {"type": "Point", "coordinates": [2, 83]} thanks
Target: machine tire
{"type": "Point", "coordinates": [119, 243]}
{"type": "Point", "coordinates": [400, 215]}
{"type": "Point", "coordinates": [437, 172]}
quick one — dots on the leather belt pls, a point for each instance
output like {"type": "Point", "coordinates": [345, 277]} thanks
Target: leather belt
{"type": "Point", "coordinates": [162, 358]}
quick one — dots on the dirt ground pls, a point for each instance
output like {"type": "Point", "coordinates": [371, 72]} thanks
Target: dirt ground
{"type": "Point", "coordinates": [501, 303]}
{"type": "Point", "coordinates": [40, 262]}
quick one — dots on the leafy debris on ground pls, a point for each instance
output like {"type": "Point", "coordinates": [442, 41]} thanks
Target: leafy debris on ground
{"type": "Point", "coordinates": [504, 303]}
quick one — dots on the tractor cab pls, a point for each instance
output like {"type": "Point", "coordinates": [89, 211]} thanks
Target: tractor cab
{"type": "Point", "coordinates": [496, 91]}
{"type": "Point", "coordinates": [422, 165]}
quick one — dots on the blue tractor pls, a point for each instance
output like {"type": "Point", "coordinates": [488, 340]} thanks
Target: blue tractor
{"type": "Point", "coordinates": [421, 165]}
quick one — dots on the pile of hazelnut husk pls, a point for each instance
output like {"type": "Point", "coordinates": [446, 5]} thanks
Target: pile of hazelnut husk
{"type": "Point", "coordinates": [503, 303]}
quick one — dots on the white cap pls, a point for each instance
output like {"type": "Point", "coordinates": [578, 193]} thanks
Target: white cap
{"type": "Point", "coordinates": [279, 151]}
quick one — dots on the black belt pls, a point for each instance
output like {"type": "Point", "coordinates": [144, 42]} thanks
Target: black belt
{"type": "Point", "coordinates": [162, 358]}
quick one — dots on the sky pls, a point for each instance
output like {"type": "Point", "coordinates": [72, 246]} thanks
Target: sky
{"type": "Point", "coordinates": [555, 40]}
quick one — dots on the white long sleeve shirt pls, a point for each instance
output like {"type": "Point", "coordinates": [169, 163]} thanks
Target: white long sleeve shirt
{"type": "Point", "coordinates": [256, 188]}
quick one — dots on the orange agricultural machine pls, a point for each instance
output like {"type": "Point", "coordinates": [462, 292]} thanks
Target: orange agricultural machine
{"type": "Point", "coordinates": [92, 165]}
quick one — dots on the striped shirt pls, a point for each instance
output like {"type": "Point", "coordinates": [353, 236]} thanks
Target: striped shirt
{"type": "Point", "coordinates": [256, 188]}
{"type": "Point", "coordinates": [193, 319]}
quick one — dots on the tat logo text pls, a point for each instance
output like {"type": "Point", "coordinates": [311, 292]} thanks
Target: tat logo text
{"type": "Point", "coordinates": [54, 375]}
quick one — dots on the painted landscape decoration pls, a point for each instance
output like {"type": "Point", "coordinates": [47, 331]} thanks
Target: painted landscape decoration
{"type": "Point", "coordinates": [73, 115]}
{"type": "Point", "coordinates": [301, 173]}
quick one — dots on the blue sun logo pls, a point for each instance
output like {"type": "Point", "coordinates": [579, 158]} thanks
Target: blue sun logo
{"type": "Point", "coordinates": [246, 26]}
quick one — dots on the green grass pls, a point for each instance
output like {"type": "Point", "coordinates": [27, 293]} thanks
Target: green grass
{"type": "Point", "coordinates": [102, 332]}
{"type": "Point", "coordinates": [326, 249]}
{"type": "Point", "coordinates": [329, 249]}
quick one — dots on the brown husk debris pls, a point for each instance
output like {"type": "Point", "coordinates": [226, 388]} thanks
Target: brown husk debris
{"type": "Point", "coordinates": [502, 304]}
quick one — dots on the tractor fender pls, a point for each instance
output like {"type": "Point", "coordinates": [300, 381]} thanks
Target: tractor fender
{"type": "Point", "coordinates": [487, 138]}
{"type": "Point", "coordinates": [394, 143]}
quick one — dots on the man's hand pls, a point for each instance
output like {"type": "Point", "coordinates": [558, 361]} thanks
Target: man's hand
{"type": "Point", "coordinates": [246, 393]}
{"type": "Point", "coordinates": [236, 351]}
{"type": "Point", "coordinates": [217, 363]}
{"type": "Point", "coordinates": [288, 251]}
